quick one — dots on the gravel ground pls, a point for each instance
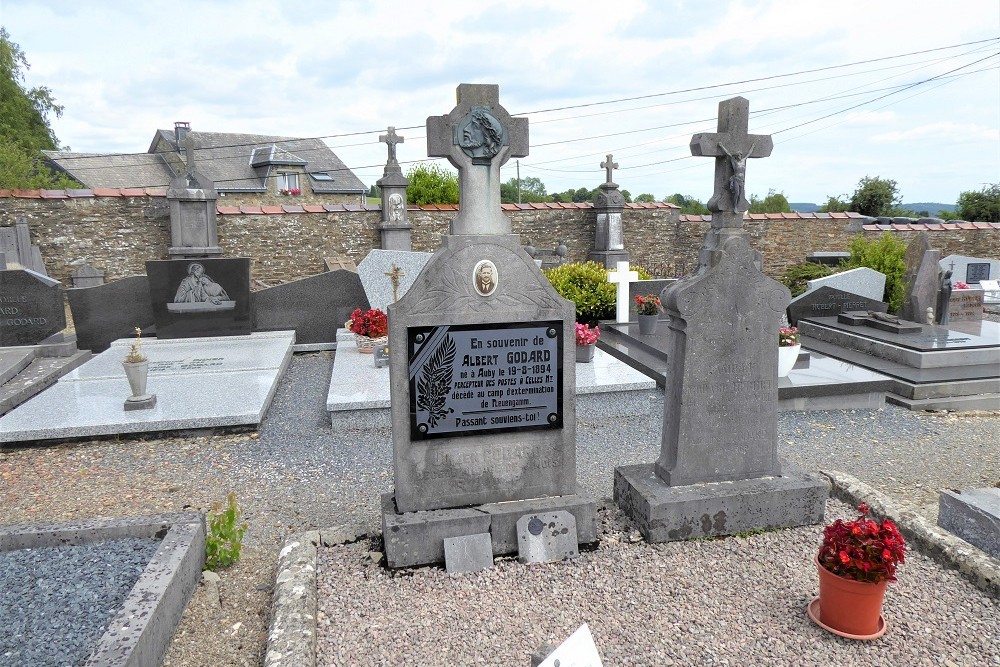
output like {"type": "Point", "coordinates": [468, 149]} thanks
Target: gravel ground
{"type": "Point", "coordinates": [297, 474]}
{"type": "Point", "coordinates": [56, 602]}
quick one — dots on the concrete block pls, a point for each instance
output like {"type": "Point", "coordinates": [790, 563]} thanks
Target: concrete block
{"type": "Point", "coordinates": [468, 553]}
{"type": "Point", "coordinates": [417, 538]}
{"type": "Point", "coordinates": [973, 515]}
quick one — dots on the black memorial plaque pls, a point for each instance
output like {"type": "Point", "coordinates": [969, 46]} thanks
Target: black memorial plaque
{"type": "Point", "coordinates": [200, 297]}
{"type": "Point", "coordinates": [976, 271]}
{"type": "Point", "coordinates": [484, 378]}
{"type": "Point", "coordinates": [829, 301]}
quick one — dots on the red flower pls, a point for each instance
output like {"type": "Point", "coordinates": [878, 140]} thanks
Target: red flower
{"type": "Point", "coordinates": [844, 558]}
{"type": "Point", "coordinates": [863, 549]}
{"type": "Point", "coordinates": [372, 323]}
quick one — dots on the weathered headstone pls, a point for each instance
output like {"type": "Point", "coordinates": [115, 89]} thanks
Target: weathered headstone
{"type": "Point", "coordinates": [395, 228]}
{"type": "Point", "coordinates": [609, 244]}
{"type": "Point", "coordinates": [966, 305]}
{"type": "Point", "coordinates": [86, 275]}
{"type": "Point", "coordinates": [376, 271]}
{"type": "Point", "coordinates": [192, 199]}
{"type": "Point", "coordinates": [546, 537]}
{"type": "Point", "coordinates": [31, 307]}
{"type": "Point", "coordinates": [921, 277]}
{"type": "Point", "coordinates": [481, 355]}
{"type": "Point", "coordinates": [718, 470]}
{"type": "Point", "coordinates": [18, 250]}
{"type": "Point", "coordinates": [208, 297]}
{"type": "Point", "coordinates": [315, 307]}
{"type": "Point", "coordinates": [863, 281]}
{"type": "Point", "coordinates": [829, 301]}
{"type": "Point", "coordinates": [971, 270]}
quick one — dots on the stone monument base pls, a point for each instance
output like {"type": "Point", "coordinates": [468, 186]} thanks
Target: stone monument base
{"type": "Point", "coordinates": [671, 513]}
{"type": "Point", "coordinates": [417, 538]}
{"type": "Point", "coordinates": [609, 258]}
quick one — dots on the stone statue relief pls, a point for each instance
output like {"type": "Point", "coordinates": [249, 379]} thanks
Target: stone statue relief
{"type": "Point", "coordinates": [480, 135]}
{"type": "Point", "coordinates": [736, 182]}
{"type": "Point", "coordinates": [199, 293]}
{"type": "Point", "coordinates": [395, 207]}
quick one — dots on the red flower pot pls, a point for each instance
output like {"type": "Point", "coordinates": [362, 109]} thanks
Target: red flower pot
{"type": "Point", "coordinates": [849, 608]}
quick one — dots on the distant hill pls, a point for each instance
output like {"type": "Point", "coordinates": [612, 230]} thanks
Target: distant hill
{"type": "Point", "coordinates": [930, 207]}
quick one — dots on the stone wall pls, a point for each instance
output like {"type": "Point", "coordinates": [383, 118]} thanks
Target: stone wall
{"type": "Point", "coordinates": [118, 233]}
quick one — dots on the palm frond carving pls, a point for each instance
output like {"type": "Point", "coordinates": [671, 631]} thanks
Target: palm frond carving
{"type": "Point", "coordinates": [434, 383]}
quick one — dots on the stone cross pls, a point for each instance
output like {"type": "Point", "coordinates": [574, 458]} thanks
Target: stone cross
{"type": "Point", "coordinates": [623, 277]}
{"type": "Point", "coordinates": [189, 158]}
{"type": "Point", "coordinates": [477, 137]}
{"type": "Point", "coordinates": [609, 165]}
{"type": "Point", "coordinates": [391, 139]}
{"type": "Point", "coordinates": [394, 277]}
{"type": "Point", "coordinates": [731, 146]}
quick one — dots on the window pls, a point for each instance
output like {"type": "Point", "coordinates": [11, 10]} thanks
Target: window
{"type": "Point", "coordinates": [288, 181]}
{"type": "Point", "coordinates": [321, 176]}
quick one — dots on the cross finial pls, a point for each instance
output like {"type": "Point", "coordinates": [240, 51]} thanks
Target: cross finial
{"type": "Point", "coordinates": [609, 165]}
{"type": "Point", "coordinates": [391, 139]}
{"type": "Point", "coordinates": [189, 153]}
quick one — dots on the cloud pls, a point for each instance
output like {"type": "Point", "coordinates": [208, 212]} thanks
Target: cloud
{"type": "Point", "coordinates": [942, 130]}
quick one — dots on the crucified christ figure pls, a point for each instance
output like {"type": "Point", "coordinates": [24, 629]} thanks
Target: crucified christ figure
{"type": "Point", "coordinates": [737, 180]}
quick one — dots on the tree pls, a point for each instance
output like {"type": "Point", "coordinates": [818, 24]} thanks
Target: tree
{"type": "Point", "coordinates": [645, 198]}
{"type": "Point", "coordinates": [24, 124]}
{"type": "Point", "coordinates": [431, 184]}
{"type": "Point", "coordinates": [834, 205]}
{"type": "Point", "coordinates": [532, 190]}
{"type": "Point", "coordinates": [980, 206]}
{"type": "Point", "coordinates": [774, 202]}
{"type": "Point", "coordinates": [689, 205]}
{"type": "Point", "coordinates": [876, 196]}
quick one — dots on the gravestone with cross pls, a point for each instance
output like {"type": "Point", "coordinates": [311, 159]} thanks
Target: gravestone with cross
{"type": "Point", "coordinates": [718, 471]}
{"type": "Point", "coordinates": [482, 365]}
{"type": "Point", "coordinates": [394, 228]}
{"type": "Point", "coordinates": [192, 198]}
{"type": "Point", "coordinates": [623, 278]}
{"type": "Point", "coordinates": [609, 240]}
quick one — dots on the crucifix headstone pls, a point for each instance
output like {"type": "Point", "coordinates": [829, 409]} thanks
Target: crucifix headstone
{"type": "Point", "coordinates": [394, 227]}
{"type": "Point", "coordinates": [192, 198]}
{"type": "Point", "coordinates": [478, 136]}
{"type": "Point", "coordinates": [731, 146]}
{"type": "Point", "coordinates": [623, 277]}
{"type": "Point", "coordinates": [394, 277]}
{"type": "Point", "coordinates": [608, 166]}
{"type": "Point", "coordinates": [718, 471]}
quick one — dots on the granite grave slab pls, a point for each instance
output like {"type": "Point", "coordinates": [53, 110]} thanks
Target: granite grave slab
{"type": "Point", "coordinates": [207, 297]}
{"type": "Point", "coordinates": [387, 275]}
{"type": "Point", "coordinates": [31, 307]}
{"type": "Point", "coordinates": [921, 277]}
{"type": "Point", "coordinates": [315, 306]}
{"type": "Point", "coordinates": [973, 515]}
{"type": "Point", "coordinates": [971, 270]}
{"type": "Point", "coordinates": [828, 301]}
{"type": "Point", "coordinates": [863, 281]}
{"type": "Point", "coordinates": [199, 382]}
{"type": "Point", "coordinates": [104, 313]}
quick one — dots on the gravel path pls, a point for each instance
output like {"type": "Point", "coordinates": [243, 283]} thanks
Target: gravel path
{"type": "Point", "coordinates": [297, 474]}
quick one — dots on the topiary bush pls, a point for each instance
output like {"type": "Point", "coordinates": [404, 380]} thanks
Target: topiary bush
{"type": "Point", "coordinates": [585, 284]}
{"type": "Point", "coordinates": [797, 277]}
{"type": "Point", "coordinates": [886, 254]}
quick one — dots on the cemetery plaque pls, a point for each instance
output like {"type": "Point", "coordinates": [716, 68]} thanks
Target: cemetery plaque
{"type": "Point", "coordinates": [207, 297]}
{"type": "Point", "coordinates": [31, 307]}
{"type": "Point", "coordinates": [976, 271]}
{"type": "Point", "coordinates": [829, 301]}
{"type": "Point", "coordinates": [474, 379]}
{"type": "Point", "coordinates": [966, 305]}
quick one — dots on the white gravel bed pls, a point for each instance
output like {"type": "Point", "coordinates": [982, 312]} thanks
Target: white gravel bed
{"type": "Point", "coordinates": [732, 601]}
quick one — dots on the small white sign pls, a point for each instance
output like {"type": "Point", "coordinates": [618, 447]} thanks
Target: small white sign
{"type": "Point", "coordinates": [579, 650]}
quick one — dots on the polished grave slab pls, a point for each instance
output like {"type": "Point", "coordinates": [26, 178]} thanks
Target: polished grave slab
{"type": "Point", "coordinates": [199, 383]}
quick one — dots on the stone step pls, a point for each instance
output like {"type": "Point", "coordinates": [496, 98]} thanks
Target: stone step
{"type": "Point", "coordinates": [979, 402]}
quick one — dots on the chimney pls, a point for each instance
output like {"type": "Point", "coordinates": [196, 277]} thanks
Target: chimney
{"type": "Point", "coordinates": [180, 131]}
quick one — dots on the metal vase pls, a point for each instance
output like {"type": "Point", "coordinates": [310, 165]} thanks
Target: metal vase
{"type": "Point", "coordinates": [647, 324]}
{"type": "Point", "coordinates": [585, 353]}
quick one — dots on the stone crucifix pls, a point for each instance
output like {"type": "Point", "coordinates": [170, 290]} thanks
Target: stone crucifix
{"type": "Point", "coordinates": [391, 139]}
{"type": "Point", "coordinates": [477, 137]}
{"type": "Point", "coordinates": [731, 146]}
{"type": "Point", "coordinates": [609, 165]}
{"type": "Point", "coordinates": [394, 277]}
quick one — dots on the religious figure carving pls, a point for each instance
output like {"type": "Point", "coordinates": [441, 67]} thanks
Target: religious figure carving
{"type": "Point", "coordinates": [485, 277]}
{"type": "Point", "coordinates": [884, 317]}
{"type": "Point", "coordinates": [943, 297]}
{"type": "Point", "coordinates": [395, 207]}
{"type": "Point", "coordinates": [738, 179]}
{"type": "Point", "coordinates": [481, 134]}
{"type": "Point", "coordinates": [198, 287]}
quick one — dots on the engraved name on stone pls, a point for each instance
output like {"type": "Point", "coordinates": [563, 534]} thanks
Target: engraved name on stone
{"type": "Point", "coordinates": [185, 364]}
{"type": "Point", "coordinates": [474, 379]}
{"type": "Point", "coordinates": [9, 310]}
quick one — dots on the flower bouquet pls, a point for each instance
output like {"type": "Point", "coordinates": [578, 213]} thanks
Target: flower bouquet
{"type": "Point", "coordinates": [586, 338]}
{"type": "Point", "coordinates": [370, 328]}
{"type": "Point", "coordinates": [788, 336]}
{"type": "Point", "coordinates": [135, 354]}
{"type": "Point", "coordinates": [648, 305]}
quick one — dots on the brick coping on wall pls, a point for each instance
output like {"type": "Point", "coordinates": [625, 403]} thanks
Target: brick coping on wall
{"type": "Point", "coordinates": [870, 226]}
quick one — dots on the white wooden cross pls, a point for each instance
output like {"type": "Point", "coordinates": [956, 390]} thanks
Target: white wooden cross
{"type": "Point", "coordinates": [623, 277]}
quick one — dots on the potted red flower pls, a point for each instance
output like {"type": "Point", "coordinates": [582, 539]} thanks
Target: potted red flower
{"type": "Point", "coordinates": [856, 561]}
{"type": "Point", "coordinates": [586, 340]}
{"type": "Point", "coordinates": [648, 309]}
{"type": "Point", "coordinates": [370, 329]}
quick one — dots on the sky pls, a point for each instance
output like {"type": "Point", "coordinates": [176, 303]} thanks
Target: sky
{"type": "Point", "coordinates": [907, 90]}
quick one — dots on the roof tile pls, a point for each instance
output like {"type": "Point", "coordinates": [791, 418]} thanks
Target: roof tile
{"type": "Point", "coordinates": [331, 208]}
{"type": "Point", "coordinates": [966, 225]}
{"type": "Point", "coordinates": [918, 227]}
{"type": "Point", "coordinates": [79, 193]}
{"type": "Point", "coordinates": [537, 205]}
{"type": "Point", "coordinates": [314, 208]}
{"type": "Point", "coordinates": [271, 210]}
{"type": "Point", "coordinates": [949, 225]}
{"type": "Point", "coordinates": [934, 226]}
{"type": "Point", "coordinates": [54, 194]}
{"type": "Point", "coordinates": [870, 228]}
{"type": "Point", "coordinates": [251, 210]}
{"type": "Point", "coordinates": [508, 207]}
{"type": "Point", "coordinates": [227, 210]}
{"type": "Point", "coordinates": [982, 225]}
{"type": "Point", "coordinates": [524, 207]}
{"type": "Point", "coordinates": [352, 207]}
{"type": "Point", "coordinates": [107, 192]}
{"type": "Point", "coordinates": [28, 194]}
{"type": "Point", "coordinates": [774, 216]}
{"type": "Point", "coordinates": [5, 193]}
{"type": "Point", "coordinates": [292, 208]}
{"type": "Point", "coordinates": [133, 192]}
{"type": "Point", "coordinates": [156, 192]}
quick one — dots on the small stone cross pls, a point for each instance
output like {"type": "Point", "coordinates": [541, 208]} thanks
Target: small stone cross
{"type": "Point", "coordinates": [394, 277]}
{"type": "Point", "coordinates": [189, 153]}
{"type": "Point", "coordinates": [609, 165]}
{"type": "Point", "coordinates": [731, 146]}
{"type": "Point", "coordinates": [391, 139]}
{"type": "Point", "coordinates": [623, 277]}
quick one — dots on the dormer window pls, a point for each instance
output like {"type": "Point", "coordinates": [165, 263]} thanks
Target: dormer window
{"type": "Point", "coordinates": [288, 181]}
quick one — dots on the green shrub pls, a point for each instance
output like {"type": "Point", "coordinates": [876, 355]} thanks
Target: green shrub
{"type": "Point", "coordinates": [643, 273]}
{"type": "Point", "coordinates": [886, 254]}
{"type": "Point", "coordinates": [797, 277]}
{"type": "Point", "coordinates": [585, 284]}
{"type": "Point", "coordinates": [225, 537]}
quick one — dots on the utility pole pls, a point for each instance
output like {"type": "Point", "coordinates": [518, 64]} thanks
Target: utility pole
{"type": "Point", "coordinates": [518, 163]}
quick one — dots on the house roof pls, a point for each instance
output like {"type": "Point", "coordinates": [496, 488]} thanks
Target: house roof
{"type": "Point", "coordinates": [234, 162]}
